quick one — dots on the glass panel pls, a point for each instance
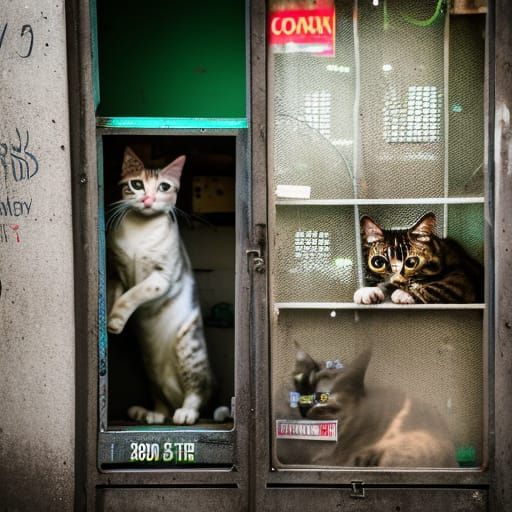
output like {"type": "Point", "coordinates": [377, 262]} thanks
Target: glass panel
{"type": "Point", "coordinates": [434, 356]}
{"type": "Point", "coordinates": [316, 261]}
{"type": "Point", "coordinates": [376, 124]}
{"type": "Point", "coordinates": [312, 111]}
{"type": "Point", "coordinates": [414, 109]}
{"type": "Point", "coordinates": [465, 108]}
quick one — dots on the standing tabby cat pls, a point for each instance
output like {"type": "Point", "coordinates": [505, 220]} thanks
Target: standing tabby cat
{"type": "Point", "coordinates": [154, 282]}
{"type": "Point", "coordinates": [415, 266]}
{"type": "Point", "coordinates": [377, 426]}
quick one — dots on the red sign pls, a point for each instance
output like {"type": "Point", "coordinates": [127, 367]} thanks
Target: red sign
{"type": "Point", "coordinates": [303, 31]}
{"type": "Point", "coordinates": [312, 430]}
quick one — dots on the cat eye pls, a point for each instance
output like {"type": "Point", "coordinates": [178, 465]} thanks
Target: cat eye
{"type": "Point", "coordinates": [164, 187]}
{"type": "Point", "coordinates": [378, 262]}
{"type": "Point", "coordinates": [411, 262]}
{"type": "Point", "coordinates": [137, 184]}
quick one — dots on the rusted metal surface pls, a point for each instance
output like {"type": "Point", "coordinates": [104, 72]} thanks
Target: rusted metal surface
{"type": "Point", "coordinates": [376, 499]}
{"type": "Point", "coordinates": [157, 500]}
{"type": "Point", "coordinates": [503, 254]}
{"type": "Point", "coordinates": [87, 201]}
{"type": "Point", "coordinates": [260, 425]}
{"type": "Point", "coordinates": [36, 254]}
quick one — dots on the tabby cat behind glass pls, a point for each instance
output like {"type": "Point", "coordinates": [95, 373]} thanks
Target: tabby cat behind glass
{"type": "Point", "coordinates": [415, 266]}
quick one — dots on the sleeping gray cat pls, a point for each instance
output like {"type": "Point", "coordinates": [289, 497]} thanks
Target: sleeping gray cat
{"type": "Point", "coordinates": [153, 281]}
{"type": "Point", "coordinates": [376, 426]}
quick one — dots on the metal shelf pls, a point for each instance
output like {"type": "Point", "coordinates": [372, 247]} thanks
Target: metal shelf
{"type": "Point", "coordinates": [384, 305]}
{"type": "Point", "coordinates": [378, 202]}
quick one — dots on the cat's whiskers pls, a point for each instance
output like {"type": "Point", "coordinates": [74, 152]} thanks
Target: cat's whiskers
{"type": "Point", "coordinates": [172, 213]}
{"type": "Point", "coordinates": [113, 214]}
{"type": "Point", "coordinates": [117, 212]}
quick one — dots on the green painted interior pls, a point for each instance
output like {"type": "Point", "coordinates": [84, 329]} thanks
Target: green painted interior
{"type": "Point", "coordinates": [171, 59]}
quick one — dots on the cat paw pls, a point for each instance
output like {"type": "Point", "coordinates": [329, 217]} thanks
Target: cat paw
{"type": "Point", "coordinates": [138, 413]}
{"type": "Point", "coordinates": [369, 295]}
{"type": "Point", "coordinates": [184, 416]}
{"type": "Point", "coordinates": [115, 324]}
{"type": "Point", "coordinates": [402, 297]}
{"type": "Point", "coordinates": [368, 457]}
{"type": "Point", "coordinates": [155, 418]}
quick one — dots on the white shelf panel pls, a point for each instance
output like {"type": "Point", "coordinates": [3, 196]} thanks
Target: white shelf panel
{"type": "Point", "coordinates": [384, 305]}
{"type": "Point", "coordinates": [378, 202]}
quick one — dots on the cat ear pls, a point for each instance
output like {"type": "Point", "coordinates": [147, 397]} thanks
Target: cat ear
{"type": "Point", "coordinates": [305, 367]}
{"type": "Point", "coordinates": [372, 232]}
{"type": "Point", "coordinates": [353, 377]}
{"type": "Point", "coordinates": [304, 363]}
{"type": "Point", "coordinates": [174, 169]}
{"type": "Point", "coordinates": [132, 164]}
{"type": "Point", "coordinates": [425, 227]}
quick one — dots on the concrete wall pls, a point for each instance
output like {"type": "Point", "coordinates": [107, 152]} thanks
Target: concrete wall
{"type": "Point", "coordinates": [37, 396]}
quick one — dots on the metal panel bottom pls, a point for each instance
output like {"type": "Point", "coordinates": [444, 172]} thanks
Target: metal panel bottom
{"type": "Point", "coordinates": [156, 500]}
{"type": "Point", "coordinates": [165, 449]}
{"type": "Point", "coordinates": [378, 499]}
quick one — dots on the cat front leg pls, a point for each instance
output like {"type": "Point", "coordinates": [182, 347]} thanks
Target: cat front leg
{"type": "Point", "coordinates": [194, 370]}
{"type": "Point", "coordinates": [369, 295]}
{"type": "Point", "coordinates": [368, 457]}
{"type": "Point", "coordinates": [402, 297]}
{"type": "Point", "coordinates": [114, 291]}
{"type": "Point", "coordinates": [188, 413]}
{"type": "Point", "coordinates": [153, 287]}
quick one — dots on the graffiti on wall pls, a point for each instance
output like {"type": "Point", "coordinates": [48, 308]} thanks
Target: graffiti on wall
{"type": "Point", "coordinates": [18, 164]}
{"type": "Point", "coordinates": [22, 41]}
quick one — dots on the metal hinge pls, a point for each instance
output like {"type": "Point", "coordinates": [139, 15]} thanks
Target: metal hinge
{"type": "Point", "coordinates": [258, 263]}
{"type": "Point", "coordinates": [357, 489]}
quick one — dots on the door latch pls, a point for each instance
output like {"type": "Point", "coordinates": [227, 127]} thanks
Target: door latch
{"type": "Point", "coordinates": [258, 263]}
{"type": "Point", "coordinates": [357, 489]}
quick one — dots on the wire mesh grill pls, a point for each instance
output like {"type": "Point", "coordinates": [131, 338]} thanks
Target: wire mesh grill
{"type": "Point", "coordinates": [465, 106]}
{"type": "Point", "coordinates": [313, 108]}
{"type": "Point", "coordinates": [401, 80]}
{"type": "Point", "coordinates": [435, 356]}
{"type": "Point", "coordinates": [401, 217]}
{"type": "Point", "coordinates": [397, 113]}
{"type": "Point", "coordinates": [466, 225]}
{"type": "Point", "coordinates": [370, 122]}
{"type": "Point", "coordinates": [315, 252]}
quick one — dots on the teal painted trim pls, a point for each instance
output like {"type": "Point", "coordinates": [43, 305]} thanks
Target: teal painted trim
{"type": "Point", "coordinates": [188, 123]}
{"type": "Point", "coordinates": [102, 293]}
{"type": "Point", "coordinates": [93, 17]}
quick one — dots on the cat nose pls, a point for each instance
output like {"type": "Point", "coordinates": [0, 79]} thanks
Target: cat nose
{"type": "Point", "coordinates": [148, 201]}
{"type": "Point", "coordinates": [397, 279]}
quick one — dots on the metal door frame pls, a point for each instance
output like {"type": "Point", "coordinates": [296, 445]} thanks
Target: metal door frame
{"type": "Point", "coordinates": [260, 487]}
{"type": "Point", "coordinates": [94, 488]}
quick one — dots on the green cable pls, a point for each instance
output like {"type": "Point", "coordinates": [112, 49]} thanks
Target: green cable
{"type": "Point", "coordinates": [429, 21]}
{"type": "Point", "coordinates": [386, 15]}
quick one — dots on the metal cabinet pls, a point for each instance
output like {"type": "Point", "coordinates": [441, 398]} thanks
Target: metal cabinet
{"type": "Point", "coordinates": [404, 111]}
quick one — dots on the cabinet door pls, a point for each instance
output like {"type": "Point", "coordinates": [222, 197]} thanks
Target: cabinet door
{"type": "Point", "coordinates": [376, 192]}
{"type": "Point", "coordinates": [169, 93]}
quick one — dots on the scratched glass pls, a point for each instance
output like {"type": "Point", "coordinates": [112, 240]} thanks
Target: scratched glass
{"type": "Point", "coordinates": [376, 108]}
